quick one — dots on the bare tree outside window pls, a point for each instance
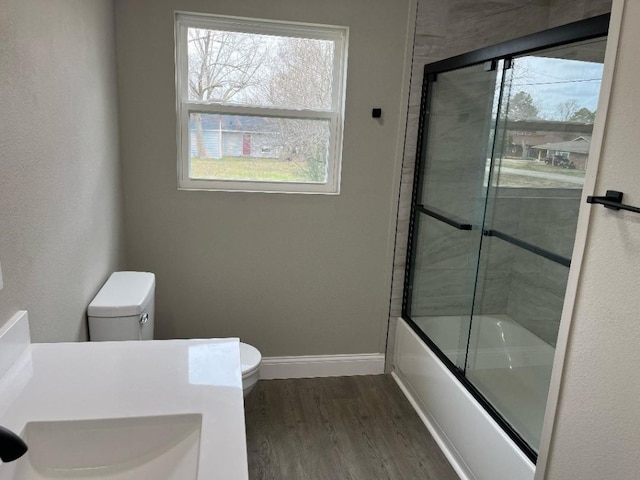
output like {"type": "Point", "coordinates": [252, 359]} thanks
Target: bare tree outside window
{"type": "Point", "coordinates": [302, 79]}
{"type": "Point", "coordinates": [567, 109]}
{"type": "Point", "coordinates": [301, 74]}
{"type": "Point", "coordinates": [295, 73]}
{"type": "Point", "coordinates": [260, 102]}
{"type": "Point", "coordinates": [221, 65]}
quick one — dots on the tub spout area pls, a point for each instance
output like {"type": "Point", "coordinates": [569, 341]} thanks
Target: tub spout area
{"type": "Point", "coordinates": [12, 446]}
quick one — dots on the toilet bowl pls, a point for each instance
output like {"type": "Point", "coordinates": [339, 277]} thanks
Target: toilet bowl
{"type": "Point", "coordinates": [250, 358]}
{"type": "Point", "coordinates": [123, 309]}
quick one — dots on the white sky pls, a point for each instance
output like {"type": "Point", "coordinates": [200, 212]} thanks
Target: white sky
{"type": "Point", "coordinates": [552, 81]}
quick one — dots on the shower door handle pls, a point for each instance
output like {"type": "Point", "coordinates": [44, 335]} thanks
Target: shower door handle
{"type": "Point", "coordinates": [459, 224]}
{"type": "Point", "coordinates": [612, 200]}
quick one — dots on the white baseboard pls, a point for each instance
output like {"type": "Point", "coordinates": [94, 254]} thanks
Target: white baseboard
{"type": "Point", "coordinates": [322, 366]}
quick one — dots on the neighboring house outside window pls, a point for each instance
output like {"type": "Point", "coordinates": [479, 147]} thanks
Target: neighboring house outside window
{"type": "Point", "coordinates": [260, 104]}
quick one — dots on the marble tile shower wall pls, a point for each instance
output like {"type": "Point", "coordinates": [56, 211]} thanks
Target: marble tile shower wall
{"type": "Point", "coordinates": [566, 11]}
{"type": "Point", "coordinates": [533, 286]}
{"type": "Point", "coordinates": [444, 269]}
{"type": "Point", "coordinates": [536, 295]}
{"type": "Point", "coordinates": [458, 141]}
{"type": "Point", "coordinates": [512, 281]}
{"type": "Point", "coordinates": [450, 27]}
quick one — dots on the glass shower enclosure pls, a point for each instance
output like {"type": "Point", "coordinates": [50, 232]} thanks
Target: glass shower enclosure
{"type": "Point", "coordinates": [503, 148]}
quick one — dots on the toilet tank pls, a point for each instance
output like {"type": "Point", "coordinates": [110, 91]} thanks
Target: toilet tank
{"type": "Point", "coordinates": [123, 309]}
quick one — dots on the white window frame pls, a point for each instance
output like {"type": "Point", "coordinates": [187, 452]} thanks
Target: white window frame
{"type": "Point", "coordinates": [335, 115]}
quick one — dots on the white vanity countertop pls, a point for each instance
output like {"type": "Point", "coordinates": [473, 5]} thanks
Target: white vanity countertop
{"type": "Point", "coordinates": [84, 380]}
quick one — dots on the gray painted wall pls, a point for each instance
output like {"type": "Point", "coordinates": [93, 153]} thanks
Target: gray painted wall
{"type": "Point", "coordinates": [60, 196]}
{"type": "Point", "coordinates": [291, 274]}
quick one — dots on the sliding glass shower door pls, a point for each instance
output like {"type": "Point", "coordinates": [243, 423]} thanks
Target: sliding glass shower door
{"type": "Point", "coordinates": [450, 204]}
{"type": "Point", "coordinates": [504, 145]}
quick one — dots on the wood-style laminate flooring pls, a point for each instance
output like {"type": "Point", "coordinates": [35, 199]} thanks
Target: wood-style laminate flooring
{"type": "Point", "coordinates": [339, 428]}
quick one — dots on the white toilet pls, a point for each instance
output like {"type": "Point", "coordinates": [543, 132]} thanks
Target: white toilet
{"type": "Point", "coordinates": [123, 309]}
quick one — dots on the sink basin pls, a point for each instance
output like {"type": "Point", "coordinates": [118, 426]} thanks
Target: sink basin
{"type": "Point", "coordinates": [162, 448]}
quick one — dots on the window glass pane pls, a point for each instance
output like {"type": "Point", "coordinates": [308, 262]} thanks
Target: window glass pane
{"type": "Point", "coordinates": [261, 70]}
{"type": "Point", "coordinates": [240, 147]}
{"type": "Point", "coordinates": [552, 102]}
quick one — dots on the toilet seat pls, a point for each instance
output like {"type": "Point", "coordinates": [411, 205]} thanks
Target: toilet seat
{"type": "Point", "coordinates": [247, 373]}
{"type": "Point", "coordinates": [250, 359]}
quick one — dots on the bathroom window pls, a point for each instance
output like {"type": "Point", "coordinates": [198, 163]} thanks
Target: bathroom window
{"type": "Point", "coordinates": [260, 104]}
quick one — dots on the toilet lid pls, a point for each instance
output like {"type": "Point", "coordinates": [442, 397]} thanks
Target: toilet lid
{"type": "Point", "coordinates": [250, 358]}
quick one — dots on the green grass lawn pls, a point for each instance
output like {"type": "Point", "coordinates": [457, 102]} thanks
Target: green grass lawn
{"type": "Point", "coordinates": [509, 177]}
{"type": "Point", "coordinates": [535, 166]}
{"type": "Point", "coordinates": [523, 181]}
{"type": "Point", "coordinates": [246, 168]}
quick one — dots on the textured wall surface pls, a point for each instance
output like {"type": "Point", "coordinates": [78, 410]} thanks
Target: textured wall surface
{"type": "Point", "coordinates": [567, 11]}
{"type": "Point", "coordinates": [292, 274]}
{"type": "Point", "coordinates": [597, 429]}
{"type": "Point", "coordinates": [60, 208]}
{"type": "Point", "coordinates": [450, 27]}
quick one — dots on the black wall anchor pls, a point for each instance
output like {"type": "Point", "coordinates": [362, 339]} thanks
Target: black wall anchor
{"type": "Point", "coordinates": [612, 200]}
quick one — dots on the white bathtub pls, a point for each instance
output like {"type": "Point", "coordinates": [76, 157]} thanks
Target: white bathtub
{"type": "Point", "coordinates": [496, 341]}
{"type": "Point", "coordinates": [507, 363]}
